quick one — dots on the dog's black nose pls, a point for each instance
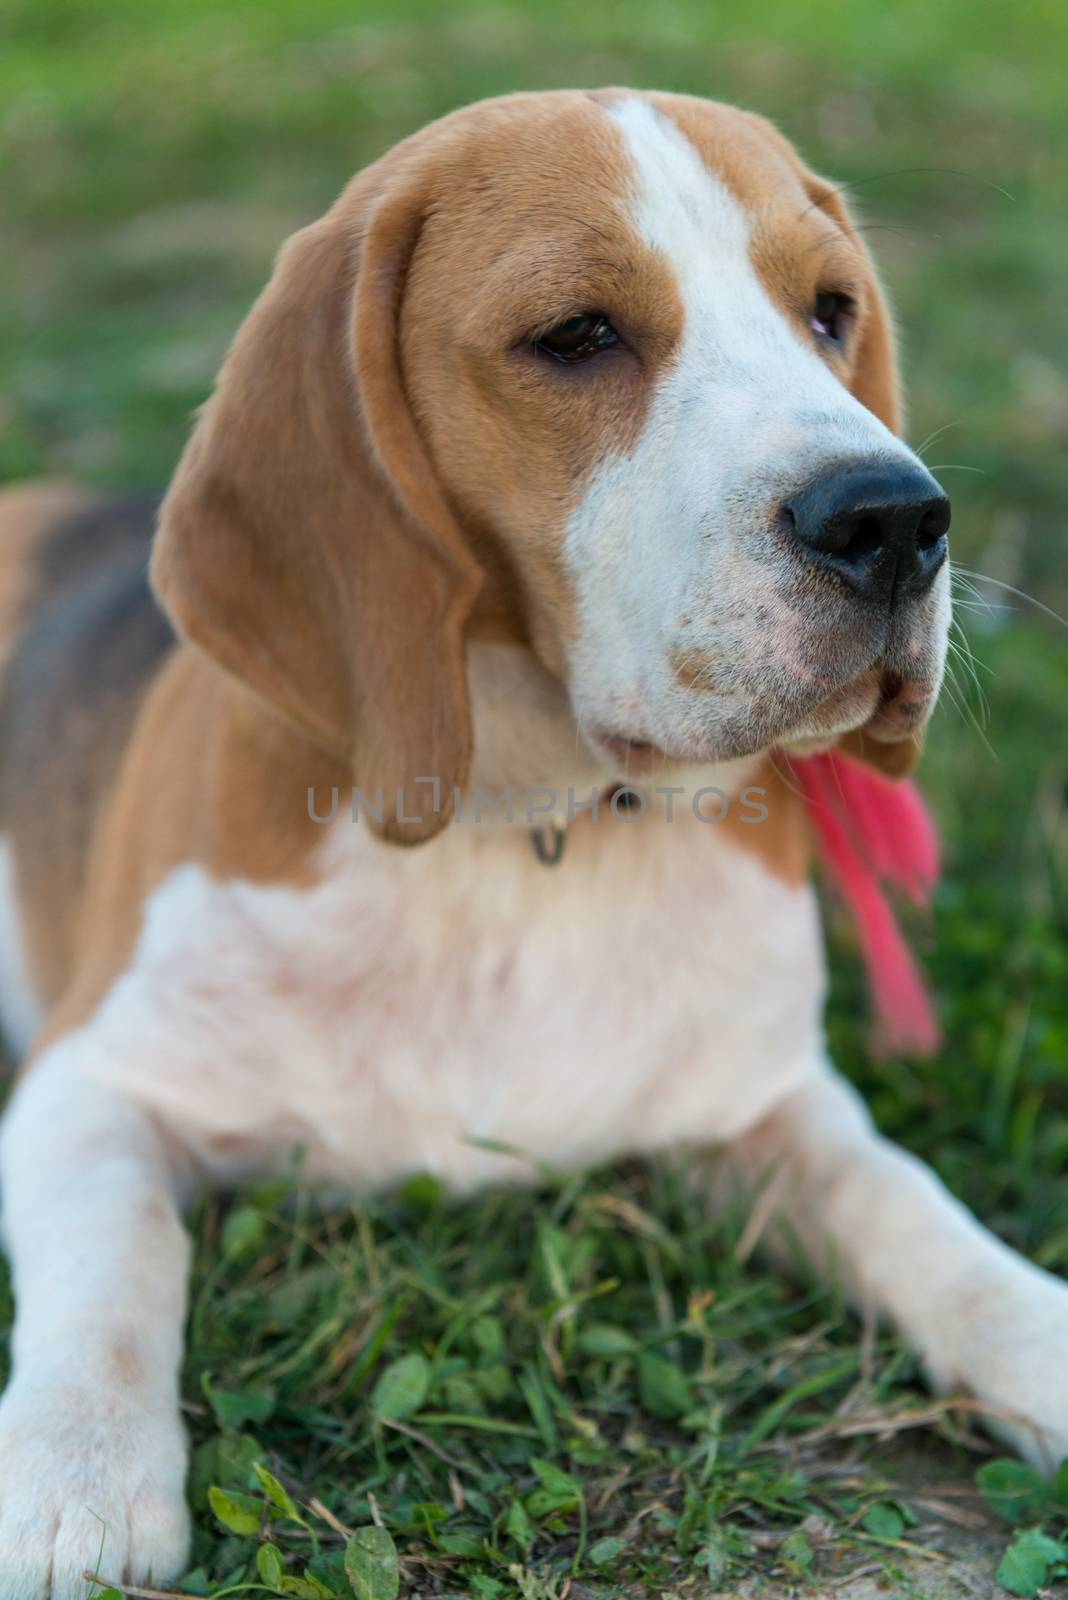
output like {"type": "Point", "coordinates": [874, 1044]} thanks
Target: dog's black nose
{"type": "Point", "coordinates": [881, 529]}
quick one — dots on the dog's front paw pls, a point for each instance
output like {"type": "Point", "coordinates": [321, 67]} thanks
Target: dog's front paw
{"type": "Point", "coordinates": [90, 1481]}
{"type": "Point", "coordinates": [1010, 1350]}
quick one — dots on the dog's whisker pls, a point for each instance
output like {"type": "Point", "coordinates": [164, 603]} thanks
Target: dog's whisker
{"type": "Point", "coordinates": [972, 599]}
{"type": "Point", "coordinates": [963, 653]}
{"type": "Point", "coordinates": [937, 434]}
{"type": "Point", "coordinates": [953, 689]}
{"type": "Point", "coordinates": [904, 230]}
{"type": "Point", "coordinates": [1021, 594]}
{"type": "Point", "coordinates": [907, 172]}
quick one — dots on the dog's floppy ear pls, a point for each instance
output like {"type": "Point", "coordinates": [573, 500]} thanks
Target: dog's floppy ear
{"type": "Point", "coordinates": [304, 544]}
{"type": "Point", "coordinates": [877, 386]}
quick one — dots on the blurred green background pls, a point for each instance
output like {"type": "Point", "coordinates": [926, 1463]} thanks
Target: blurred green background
{"type": "Point", "coordinates": [153, 157]}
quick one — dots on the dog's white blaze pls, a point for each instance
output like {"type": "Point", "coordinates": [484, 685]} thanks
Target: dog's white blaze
{"type": "Point", "coordinates": [670, 543]}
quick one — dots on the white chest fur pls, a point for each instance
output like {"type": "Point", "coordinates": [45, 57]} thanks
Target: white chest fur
{"type": "Point", "coordinates": [658, 986]}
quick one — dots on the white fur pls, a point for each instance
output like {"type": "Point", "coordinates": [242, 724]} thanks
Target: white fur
{"type": "Point", "coordinates": [661, 986]}
{"type": "Point", "coordinates": [672, 548]}
{"type": "Point", "coordinates": [91, 1449]}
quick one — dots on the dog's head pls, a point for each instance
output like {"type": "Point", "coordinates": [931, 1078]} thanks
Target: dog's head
{"type": "Point", "coordinates": [611, 373]}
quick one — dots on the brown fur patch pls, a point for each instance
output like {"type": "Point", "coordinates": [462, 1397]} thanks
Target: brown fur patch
{"type": "Point", "coordinates": [695, 670]}
{"type": "Point", "coordinates": [514, 436]}
{"type": "Point", "coordinates": [386, 458]}
{"type": "Point", "coordinates": [780, 841]}
{"type": "Point", "coordinates": [206, 778]}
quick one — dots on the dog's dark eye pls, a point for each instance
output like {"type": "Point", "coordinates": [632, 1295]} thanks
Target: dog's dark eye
{"type": "Point", "coordinates": [830, 315]}
{"type": "Point", "coordinates": [578, 338]}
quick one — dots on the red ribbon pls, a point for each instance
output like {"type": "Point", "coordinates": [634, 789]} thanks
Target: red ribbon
{"type": "Point", "coordinates": [873, 831]}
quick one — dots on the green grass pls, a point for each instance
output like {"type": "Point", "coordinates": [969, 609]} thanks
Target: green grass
{"type": "Point", "coordinates": [441, 1366]}
{"type": "Point", "coordinates": [153, 158]}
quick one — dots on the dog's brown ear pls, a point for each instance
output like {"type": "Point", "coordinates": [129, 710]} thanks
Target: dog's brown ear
{"type": "Point", "coordinates": [876, 385]}
{"type": "Point", "coordinates": [304, 544]}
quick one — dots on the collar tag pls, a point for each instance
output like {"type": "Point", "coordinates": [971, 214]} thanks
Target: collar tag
{"type": "Point", "coordinates": [548, 845]}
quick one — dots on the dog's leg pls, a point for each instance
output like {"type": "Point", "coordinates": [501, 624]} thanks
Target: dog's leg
{"type": "Point", "coordinates": [983, 1319]}
{"type": "Point", "coordinates": [92, 1453]}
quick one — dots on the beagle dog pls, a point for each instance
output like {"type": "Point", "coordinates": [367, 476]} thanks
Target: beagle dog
{"type": "Point", "coordinates": [561, 454]}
